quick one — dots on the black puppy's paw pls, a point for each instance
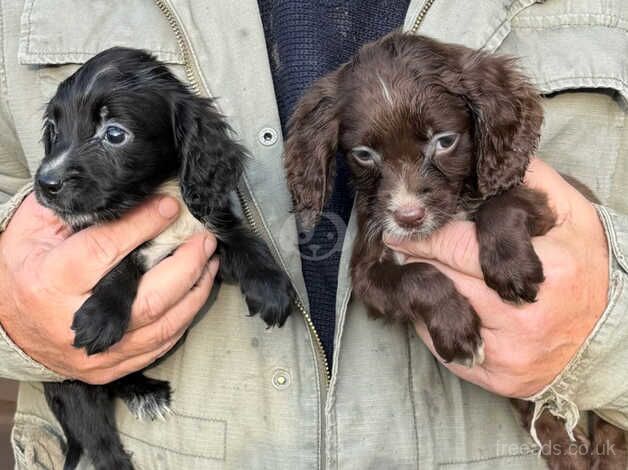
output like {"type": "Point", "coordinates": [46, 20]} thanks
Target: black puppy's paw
{"type": "Point", "coordinates": [148, 398]}
{"type": "Point", "coordinates": [268, 293]}
{"type": "Point", "coordinates": [514, 271]}
{"type": "Point", "coordinates": [98, 324]}
{"type": "Point", "coordinates": [455, 332]}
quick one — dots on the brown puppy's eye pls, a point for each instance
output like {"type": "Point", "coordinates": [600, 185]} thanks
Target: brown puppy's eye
{"type": "Point", "coordinates": [115, 135]}
{"type": "Point", "coordinates": [445, 141]}
{"type": "Point", "coordinates": [365, 155]}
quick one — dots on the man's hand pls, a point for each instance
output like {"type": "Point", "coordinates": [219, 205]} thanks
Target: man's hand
{"type": "Point", "coordinates": [527, 346]}
{"type": "Point", "coordinates": [46, 273]}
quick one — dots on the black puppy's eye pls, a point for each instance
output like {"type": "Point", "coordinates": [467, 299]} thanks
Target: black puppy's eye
{"type": "Point", "coordinates": [365, 155]}
{"type": "Point", "coordinates": [115, 135]}
{"type": "Point", "coordinates": [445, 141]}
{"type": "Point", "coordinates": [53, 132]}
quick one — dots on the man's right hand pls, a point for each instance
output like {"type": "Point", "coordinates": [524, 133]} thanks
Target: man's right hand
{"type": "Point", "coordinates": [46, 273]}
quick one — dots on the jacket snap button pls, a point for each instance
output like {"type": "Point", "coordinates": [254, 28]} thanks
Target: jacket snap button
{"type": "Point", "coordinates": [267, 136]}
{"type": "Point", "coordinates": [281, 379]}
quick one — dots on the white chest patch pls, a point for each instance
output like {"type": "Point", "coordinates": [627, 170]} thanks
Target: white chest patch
{"type": "Point", "coordinates": [183, 228]}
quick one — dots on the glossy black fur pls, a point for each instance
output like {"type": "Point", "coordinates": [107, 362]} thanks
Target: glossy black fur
{"type": "Point", "coordinates": [175, 134]}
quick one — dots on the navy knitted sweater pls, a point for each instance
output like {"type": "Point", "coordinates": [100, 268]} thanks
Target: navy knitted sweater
{"type": "Point", "coordinates": [307, 39]}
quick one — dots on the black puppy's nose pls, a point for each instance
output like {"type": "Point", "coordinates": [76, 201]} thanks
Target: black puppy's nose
{"type": "Point", "coordinates": [50, 182]}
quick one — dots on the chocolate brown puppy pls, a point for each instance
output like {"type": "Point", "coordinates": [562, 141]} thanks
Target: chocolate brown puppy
{"type": "Point", "coordinates": [432, 132]}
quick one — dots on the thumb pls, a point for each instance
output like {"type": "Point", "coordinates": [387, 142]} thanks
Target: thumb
{"type": "Point", "coordinates": [84, 258]}
{"type": "Point", "coordinates": [32, 219]}
{"type": "Point", "coordinates": [454, 245]}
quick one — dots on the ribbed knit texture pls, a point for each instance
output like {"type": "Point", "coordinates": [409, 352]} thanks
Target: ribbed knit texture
{"type": "Point", "coordinates": [305, 40]}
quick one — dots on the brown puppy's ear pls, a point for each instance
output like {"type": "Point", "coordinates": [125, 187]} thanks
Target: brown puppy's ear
{"type": "Point", "coordinates": [311, 148]}
{"type": "Point", "coordinates": [508, 117]}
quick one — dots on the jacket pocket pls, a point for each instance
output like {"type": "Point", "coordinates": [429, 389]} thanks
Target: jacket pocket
{"type": "Point", "coordinates": [58, 35]}
{"type": "Point", "coordinates": [566, 46]}
{"type": "Point", "coordinates": [180, 441]}
{"type": "Point", "coordinates": [64, 32]}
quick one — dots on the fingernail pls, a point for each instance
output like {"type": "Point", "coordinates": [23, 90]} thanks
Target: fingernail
{"type": "Point", "coordinates": [168, 207]}
{"type": "Point", "coordinates": [210, 246]}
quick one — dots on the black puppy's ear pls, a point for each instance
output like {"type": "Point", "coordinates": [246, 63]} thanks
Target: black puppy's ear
{"type": "Point", "coordinates": [211, 161]}
{"type": "Point", "coordinates": [508, 118]}
{"type": "Point", "coordinates": [311, 148]}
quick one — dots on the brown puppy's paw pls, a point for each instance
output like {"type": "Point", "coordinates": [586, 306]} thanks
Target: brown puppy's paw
{"type": "Point", "coordinates": [513, 270]}
{"type": "Point", "coordinates": [455, 332]}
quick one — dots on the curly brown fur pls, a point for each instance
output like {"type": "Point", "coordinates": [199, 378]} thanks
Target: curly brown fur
{"type": "Point", "coordinates": [432, 132]}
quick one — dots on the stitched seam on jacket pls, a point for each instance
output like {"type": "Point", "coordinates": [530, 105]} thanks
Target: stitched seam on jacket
{"type": "Point", "coordinates": [184, 454]}
{"type": "Point", "coordinates": [4, 91]}
{"type": "Point", "coordinates": [174, 412]}
{"type": "Point", "coordinates": [199, 418]}
{"type": "Point", "coordinates": [331, 393]}
{"type": "Point", "coordinates": [587, 77]}
{"type": "Point", "coordinates": [595, 81]}
{"type": "Point", "coordinates": [50, 427]}
{"type": "Point", "coordinates": [30, 24]}
{"type": "Point", "coordinates": [89, 54]}
{"type": "Point", "coordinates": [3, 73]}
{"type": "Point", "coordinates": [611, 233]}
{"type": "Point", "coordinates": [616, 180]}
{"type": "Point", "coordinates": [500, 33]}
{"type": "Point", "coordinates": [487, 459]}
{"type": "Point", "coordinates": [570, 20]}
{"type": "Point", "coordinates": [150, 444]}
{"type": "Point", "coordinates": [412, 400]}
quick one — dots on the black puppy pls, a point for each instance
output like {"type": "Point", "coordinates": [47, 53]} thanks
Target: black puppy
{"type": "Point", "coordinates": [117, 131]}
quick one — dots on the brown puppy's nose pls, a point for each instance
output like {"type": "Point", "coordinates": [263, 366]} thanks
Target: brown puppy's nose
{"type": "Point", "coordinates": [409, 216]}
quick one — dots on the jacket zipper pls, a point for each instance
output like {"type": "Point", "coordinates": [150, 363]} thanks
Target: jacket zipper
{"type": "Point", "coordinates": [195, 87]}
{"type": "Point", "coordinates": [421, 16]}
{"type": "Point", "coordinates": [320, 350]}
{"type": "Point", "coordinates": [183, 46]}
